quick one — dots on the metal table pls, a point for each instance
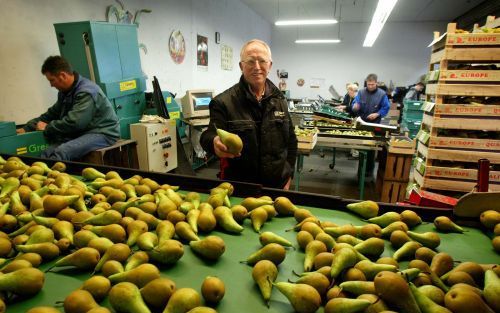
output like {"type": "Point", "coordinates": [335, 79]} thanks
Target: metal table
{"type": "Point", "coordinates": [363, 145]}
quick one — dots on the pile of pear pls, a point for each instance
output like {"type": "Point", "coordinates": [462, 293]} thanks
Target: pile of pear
{"type": "Point", "coordinates": [343, 270]}
{"type": "Point", "coordinates": [121, 231]}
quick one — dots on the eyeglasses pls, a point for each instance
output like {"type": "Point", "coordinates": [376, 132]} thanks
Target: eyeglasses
{"type": "Point", "coordinates": [253, 62]}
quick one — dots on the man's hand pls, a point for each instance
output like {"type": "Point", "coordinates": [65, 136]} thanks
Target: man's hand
{"type": "Point", "coordinates": [355, 107]}
{"type": "Point", "coordinates": [220, 149]}
{"type": "Point", "coordinates": [41, 125]}
{"type": "Point", "coordinates": [373, 116]}
{"type": "Point", "coordinates": [20, 131]}
{"type": "Point", "coordinates": [287, 185]}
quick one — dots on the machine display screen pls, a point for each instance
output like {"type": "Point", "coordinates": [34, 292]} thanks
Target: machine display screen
{"type": "Point", "coordinates": [201, 100]}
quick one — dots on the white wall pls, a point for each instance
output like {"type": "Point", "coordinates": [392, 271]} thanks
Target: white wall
{"type": "Point", "coordinates": [28, 37]}
{"type": "Point", "coordinates": [400, 54]}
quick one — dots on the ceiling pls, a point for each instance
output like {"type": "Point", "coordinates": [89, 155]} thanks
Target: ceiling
{"type": "Point", "coordinates": [361, 11]}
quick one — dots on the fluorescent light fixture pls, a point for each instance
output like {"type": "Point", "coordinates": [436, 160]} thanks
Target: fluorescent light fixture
{"type": "Point", "coordinates": [305, 22]}
{"type": "Point", "coordinates": [317, 41]}
{"type": "Point", "coordinates": [382, 12]}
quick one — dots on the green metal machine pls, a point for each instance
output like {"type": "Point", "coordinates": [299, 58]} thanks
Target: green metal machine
{"type": "Point", "coordinates": [108, 54]}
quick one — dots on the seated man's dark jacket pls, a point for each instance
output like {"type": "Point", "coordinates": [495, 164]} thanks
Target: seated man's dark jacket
{"type": "Point", "coordinates": [269, 141]}
{"type": "Point", "coordinates": [82, 110]}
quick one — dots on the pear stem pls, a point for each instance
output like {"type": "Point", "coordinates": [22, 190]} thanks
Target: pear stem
{"type": "Point", "coordinates": [295, 273]}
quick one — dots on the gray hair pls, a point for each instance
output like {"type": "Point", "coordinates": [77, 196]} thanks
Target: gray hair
{"type": "Point", "coordinates": [265, 45]}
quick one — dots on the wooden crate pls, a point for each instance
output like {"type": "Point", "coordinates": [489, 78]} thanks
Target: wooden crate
{"type": "Point", "coordinates": [444, 183]}
{"type": "Point", "coordinates": [391, 191]}
{"type": "Point", "coordinates": [307, 142]}
{"type": "Point", "coordinates": [396, 167]}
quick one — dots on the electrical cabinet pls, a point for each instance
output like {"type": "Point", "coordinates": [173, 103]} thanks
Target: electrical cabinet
{"type": "Point", "coordinates": [156, 145]}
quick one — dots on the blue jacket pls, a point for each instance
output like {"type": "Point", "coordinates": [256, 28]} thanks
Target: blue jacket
{"type": "Point", "coordinates": [83, 109]}
{"type": "Point", "coordinates": [371, 102]}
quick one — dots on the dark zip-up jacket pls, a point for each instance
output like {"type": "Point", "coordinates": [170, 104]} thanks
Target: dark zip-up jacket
{"type": "Point", "coordinates": [269, 141]}
{"type": "Point", "coordinates": [83, 109]}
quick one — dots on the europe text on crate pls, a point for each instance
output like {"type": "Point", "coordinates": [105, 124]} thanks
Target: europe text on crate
{"type": "Point", "coordinates": [461, 121]}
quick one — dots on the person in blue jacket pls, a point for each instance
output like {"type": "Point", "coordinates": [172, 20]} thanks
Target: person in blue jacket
{"type": "Point", "coordinates": [82, 120]}
{"type": "Point", "coordinates": [371, 103]}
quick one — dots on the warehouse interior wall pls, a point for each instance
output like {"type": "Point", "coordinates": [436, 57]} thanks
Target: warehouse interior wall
{"type": "Point", "coordinates": [28, 37]}
{"type": "Point", "coordinates": [399, 54]}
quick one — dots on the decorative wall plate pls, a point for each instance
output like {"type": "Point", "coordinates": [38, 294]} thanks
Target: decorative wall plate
{"type": "Point", "coordinates": [300, 82]}
{"type": "Point", "coordinates": [177, 46]}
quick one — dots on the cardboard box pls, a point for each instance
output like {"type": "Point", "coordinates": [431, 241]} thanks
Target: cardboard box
{"type": "Point", "coordinates": [431, 199]}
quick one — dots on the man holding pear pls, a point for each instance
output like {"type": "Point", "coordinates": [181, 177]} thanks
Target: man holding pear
{"type": "Point", "coordinates": [255, 110]}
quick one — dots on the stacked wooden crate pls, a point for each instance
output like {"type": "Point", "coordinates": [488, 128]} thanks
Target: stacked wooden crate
{"type": "Point", "coordinates": [461, 122]}
{"type": "Point", "coordinates": [394, 169]}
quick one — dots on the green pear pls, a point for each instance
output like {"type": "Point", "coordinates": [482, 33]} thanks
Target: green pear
{"type": "Point", "coordinates": [350, 239]}
{"type": "Point", "coordinates": [136, 259]}
{"type": "Point", "coordinates": [425, 304]}
{"type": "Point", "coordinates": [118, 252]}
{"type": "Point", "coordinates": [101, 244]}
{"type": "Point", "coordinates": [410, 218]}
{"type": "Point", "coordinates": [346, 305]}
{"type": "Point", "coordinates": [358, 287]}
{"type": "Point", "coordinates": [185, 232]}
{"type": "Point", "coordinates": [165, 205]}
{"type": "Point", "coordinates": [134, 230]}
{"type": "Point", "coordinates": [425, 268]}
{"type": "Point", "coordinates": [47, 250]}
{"type": "Point", "coordinates": [90, 173]}
{"type": "Point", "coordinates": [113, 232]}
{"type": "Point", "coordinates": [217, 199]}
{"type": "Point", "coordinates": [389, 229]}
{"type": "Point", "coordinates": [462, 300]}
{"type": "Point", "coordinates": [251, 203]}
{"type": "Point", "coordinates": [183, 300]}
{"type": "Point", "coordinates": [488, 218]}
{"type": "Point", "coordinates": [326, 239]}
{"type": "Point", "coordinates": [8, 185]}
{"type": "Point", "coordinates": [313, 248]}
{"type": "Point", "coordinates": [284, 206]}
{"type": "Point", "coordinates": [165, 230]}
{"type": "Point", "coordinates": [98, 286]}
{"type": "Point", "coordinates": [385, 219]}
{"type": "Point", "coordinates": [445, 224]}
{"type": "Point", "coordinates": [491, 292]}
{"type": "Point", "coordinates": [394, 290]}
{"type": "Point", "coordinates": [342, 259]}
{"type": "Point", "coordinates": [23, 282]}
{"type": "Point", "coordinates": [273, 252]}
{"type": "Point", "coordinates": [52, 204]}
{"type": "Point", "coordinates": [225, 220]}
{"type": "Point", "coordinates": [319, 281]}
{"type": "Point", "coordinates": [139, 276]}
{"type": "Point", "coordinates": [366, 209]}
{"type": "Point", "coordinates": [212, 290]}
{"type": "Point", "coordinates": [338, 231]}
{"type": "Point", "coordinates": [258, 217]}
{"type": "Point", "coordinates": [79, 301]}
{"type": "Point", "coordinates": [298, 226]}
{"type": "Point", "coordinates": [126, 297]}
{"type": "Point", "coordinates": [217, 190]}
{"type": "Point", "coordinates": [399, 238]}
{"type": "Point", "coordinates": [425, 254]}
{"type": "Point", "coordinates": [147, 241]}
{"type": "Point", "coordinates": [168, 252]}
{"type": "Point", "coordinates": [157, 292]}
{"type": "Point", "coordinates": [428, 239]}
{"type": "Point", "coordinates": [202, 309]}
{"type": "Point", "coordinates": [194, 198]}
{"type": "Point", "coordinates": [264, 273]}
{"type": "Point", "coordinates": [210, 248]}
{"type": "Point", "coordinates": [442, 263]}
{"type": "Point", "coordinates": [302, 297]}
{"type": "Point", "coordinates": [192, 219]}
{"type": "Point", "coordinates": [44, 309]}
{"type": "Point", "coordinates": [371, 269]}
{"type": "Point", "coordinates": [369, 231]}
{"type": "Point", "coordinates": [233, 142]}
{"type": "Point", "coordinates": [432, 292]}
{"type": "Point", "coordinates": [371, 247]}
{"type": "Point", "coordinates": [206, 220]}
{"type": "Point", "coordinates": [301, 214]}
{"type": "Point", "coordinates": [303, 238]}
{"type": "Point", "coordinates": [83, 237]}
{"type": "Point", "coordinates": [406, 251]}
{"type": "Point", "coordinates": [64, 229]}
{"type": "Point", "coordinates": [270, 237]}
{"type": "Point", "coordinates": [240, 213]}
{"type": "Point", "coordinates": [377, 304]}
{"type": "Point", "coordinates": [84, 259]}
{"type": "Point", "coordinates": [104, 218]}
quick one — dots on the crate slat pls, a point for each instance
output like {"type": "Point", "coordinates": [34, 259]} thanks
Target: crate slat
{"type": "Point", "coordinates": [464, 143]}
{"type": "Point", "coordinates": [469, 75]}
{"type": "Point", "coordinates": [480, 90]}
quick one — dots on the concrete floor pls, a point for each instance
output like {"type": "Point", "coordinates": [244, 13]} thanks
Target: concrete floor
{"type": "Point", "coordinates": [317, 177]}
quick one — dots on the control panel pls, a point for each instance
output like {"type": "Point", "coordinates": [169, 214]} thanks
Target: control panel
{"type": "Point", "coordinates": [156, 145]}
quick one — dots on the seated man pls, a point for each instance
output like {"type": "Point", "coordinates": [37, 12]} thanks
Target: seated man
{"type": "Point", "coordinates": [82, 120]}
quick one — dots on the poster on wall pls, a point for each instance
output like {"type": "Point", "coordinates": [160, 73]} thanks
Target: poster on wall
{"type": "Point", "coordinates": [202, 52]}
{"type": "Point", "coordinates": [177, 46]}
{"type": "Point", "coordinates": [317, 83]}
{"type": "Point", "coordinates": [226, 62]}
